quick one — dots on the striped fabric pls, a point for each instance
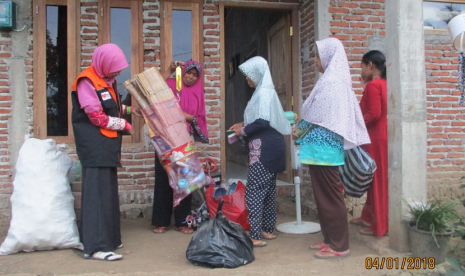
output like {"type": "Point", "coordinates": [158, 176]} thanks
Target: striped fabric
{"type": "Point", "coordinates": [357, 171]}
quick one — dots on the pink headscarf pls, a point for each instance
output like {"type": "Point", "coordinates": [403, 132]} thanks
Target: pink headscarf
{"type": "Point", "coordinates": [192, 98]}
{"type": "Point", "coordinates": [332, 103]}
{"type": "Point", "coordinates": [108, 58]}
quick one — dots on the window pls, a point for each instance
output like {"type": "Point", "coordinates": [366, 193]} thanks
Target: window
{"type": "Point", "coordinates": [437, 14]}
{"type": "Point", "coordinates": [120, 22]}
{"type": "Point", "coordinates": [181, 29]}
{"type": "Point", "coordinates": [56, 64]}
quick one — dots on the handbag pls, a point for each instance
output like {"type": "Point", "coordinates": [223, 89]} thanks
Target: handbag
{"type": "Point", "coordinates": [357, 171]}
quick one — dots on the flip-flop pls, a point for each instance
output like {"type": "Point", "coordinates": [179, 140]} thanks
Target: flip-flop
{"type": "Point", "coordinates": [160, 230]}
{"type": "Point", "coordinates": [263, 244]}
{"type": "Point", "coordinates": [320, 245]}
{"type": "Point", "coordinates": [359, 222]}
{"type": "Point", "coordinates": [334, 254]}
{"type": "Point", "coordinates": [106, 256]}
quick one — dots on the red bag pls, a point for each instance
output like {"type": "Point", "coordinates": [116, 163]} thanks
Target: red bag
{"type": "Point", "coordinates": [234, 205]}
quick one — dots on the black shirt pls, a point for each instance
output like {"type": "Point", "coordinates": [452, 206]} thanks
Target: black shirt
{"type": "Point", "coordinates": [270, 142]}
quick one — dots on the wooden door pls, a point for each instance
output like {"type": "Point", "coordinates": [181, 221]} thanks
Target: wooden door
{"type": "Point", "coordinates": [279, 59]}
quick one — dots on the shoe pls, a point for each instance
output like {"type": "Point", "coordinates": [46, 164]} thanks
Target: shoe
{"type": "Point", "coordinates": [106, 256]}
{"type": "Point", "coordinates": [333, 254]}
{"type": "Point", "coordinates": [120, 246]}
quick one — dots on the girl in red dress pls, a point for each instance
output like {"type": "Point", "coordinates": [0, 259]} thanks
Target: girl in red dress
{"type": "Point", "coordinates": [374, 108]}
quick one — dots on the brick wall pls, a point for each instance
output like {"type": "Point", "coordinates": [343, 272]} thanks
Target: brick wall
{"type": "Point", "coordinates": [211, 64]}
{"type": "Point", "coordinates": [23, 57]}
{"type": "Point", "coordinates": [357, 23]}
{"type": "Point", "coordinates": [446, 132]}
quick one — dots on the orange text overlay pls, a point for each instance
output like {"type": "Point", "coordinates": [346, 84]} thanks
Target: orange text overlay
{"type": "Point", "coordinates": [400, 263]}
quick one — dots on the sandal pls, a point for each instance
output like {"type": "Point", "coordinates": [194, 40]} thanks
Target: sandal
{"type": "Point", "coordinates": [359, 222]}
{"type": "Point", "coordinates": [368, 232]}
{"type": "Point", "coordinates": [258, 243]}
{"type": "Point", "coordinates": [270, 237]}
{"type": "Point", "coordinates": [319, 246]}
{"type": "Point", "coordinates": [332, 254]}
{"type": "Point", "coordinates": [184, 230]}
{"type": "Point", "coordinates": [160, 230]}
{"type": "Point", "coordinates": [106, 256]}
{"type": "Point", "coordinates": [262, 244]}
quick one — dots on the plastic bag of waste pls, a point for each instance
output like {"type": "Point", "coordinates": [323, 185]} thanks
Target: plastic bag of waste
{"type": "Point", "coordinates": [220, 243]}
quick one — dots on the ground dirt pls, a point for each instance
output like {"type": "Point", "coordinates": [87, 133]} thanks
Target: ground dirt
{"type": "Point", "coordinates": [146, 253]}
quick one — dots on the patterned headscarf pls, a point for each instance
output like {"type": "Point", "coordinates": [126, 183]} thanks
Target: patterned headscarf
{"type": "Point", "coordinates": [332, 103]}
{"type": "Point", "coordinates": [264, 103]}
{"type": "Point", "coordinates": [192, 64]}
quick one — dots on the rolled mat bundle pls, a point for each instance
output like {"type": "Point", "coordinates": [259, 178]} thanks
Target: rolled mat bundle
{"type": "Point", "coordinates": [168, 133]}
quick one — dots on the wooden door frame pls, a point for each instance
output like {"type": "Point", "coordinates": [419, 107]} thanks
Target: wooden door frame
{"type": "Point", "coordinates": [295, 60]}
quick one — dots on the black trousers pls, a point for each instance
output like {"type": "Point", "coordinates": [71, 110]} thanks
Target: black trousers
{"type": "Point", "coordinates": [100, 216]}
{"type": "Point", "coordinates": [163, 201]}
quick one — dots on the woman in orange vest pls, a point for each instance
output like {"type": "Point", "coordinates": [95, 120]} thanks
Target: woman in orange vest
{"type": "Point", "coordinates": [98, 128]}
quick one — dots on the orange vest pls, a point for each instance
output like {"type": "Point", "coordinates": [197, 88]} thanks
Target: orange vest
{"type": "Point", "coordinates": [99, 83]}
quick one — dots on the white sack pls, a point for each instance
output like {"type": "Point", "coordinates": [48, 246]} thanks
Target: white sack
{"type": "Point", "coordinates": [42, 204]}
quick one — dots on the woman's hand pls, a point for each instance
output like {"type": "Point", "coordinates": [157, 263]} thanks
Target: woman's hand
{"type": "Point", "coordinates": [188, 117]}
{"type": "Point", "coordinates": [237, 128]}
{"type": "Point", "coordinates": [136, 111]}
{"type": "Point", "coordinates": [174, 64]}
{"type": "Point", "coordinates": [294, 134]}
{"type": "Point", "coordinates": [170, 70]}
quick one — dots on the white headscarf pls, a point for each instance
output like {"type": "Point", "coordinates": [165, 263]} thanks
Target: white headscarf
{"type": "Point", "coordinates": [332, 103]}
{"type": "Point", "coordinates": [264, 103]}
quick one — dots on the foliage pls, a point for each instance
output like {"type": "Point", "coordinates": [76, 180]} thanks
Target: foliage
{"type": "Point", "coordinates": [434, 217]}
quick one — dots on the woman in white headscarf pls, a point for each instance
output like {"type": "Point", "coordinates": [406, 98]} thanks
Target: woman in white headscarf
{"type": "Point", "coordinates": [331, 123]}
{"type": "Point", "coordinates": [264, 126]}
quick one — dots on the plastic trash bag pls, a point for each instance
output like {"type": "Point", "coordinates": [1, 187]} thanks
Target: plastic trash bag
{"type": "Point", "coordinates": [234, 205]}
{"type": "Point", "coordinates": [42, 209]}
{"type": "Point", "coordinates": [220, 243]}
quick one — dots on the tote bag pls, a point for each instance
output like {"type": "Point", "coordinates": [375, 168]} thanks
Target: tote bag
{"type": "Point", "coordinates": [357, 171]}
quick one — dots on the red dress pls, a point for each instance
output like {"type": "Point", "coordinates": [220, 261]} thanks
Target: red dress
{"type": "Point", "coordinates": [374, 109]}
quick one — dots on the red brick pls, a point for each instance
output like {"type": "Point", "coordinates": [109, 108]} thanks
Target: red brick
{"type": "Point", "coordinates": [338, 10]}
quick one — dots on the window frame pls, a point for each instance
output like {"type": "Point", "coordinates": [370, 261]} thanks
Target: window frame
{"type": "Point", "coordinates": [440, 31]}
{"type": "Point", "coordinates": [39, 67]}
{"type": "Point", "coordinates": [166, 38]}
{"type": "Point", "coordinates": [137, 51]}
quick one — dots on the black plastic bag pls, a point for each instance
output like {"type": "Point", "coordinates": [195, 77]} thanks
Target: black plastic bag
{"type": "Point", "coordinates": [220, 243]}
